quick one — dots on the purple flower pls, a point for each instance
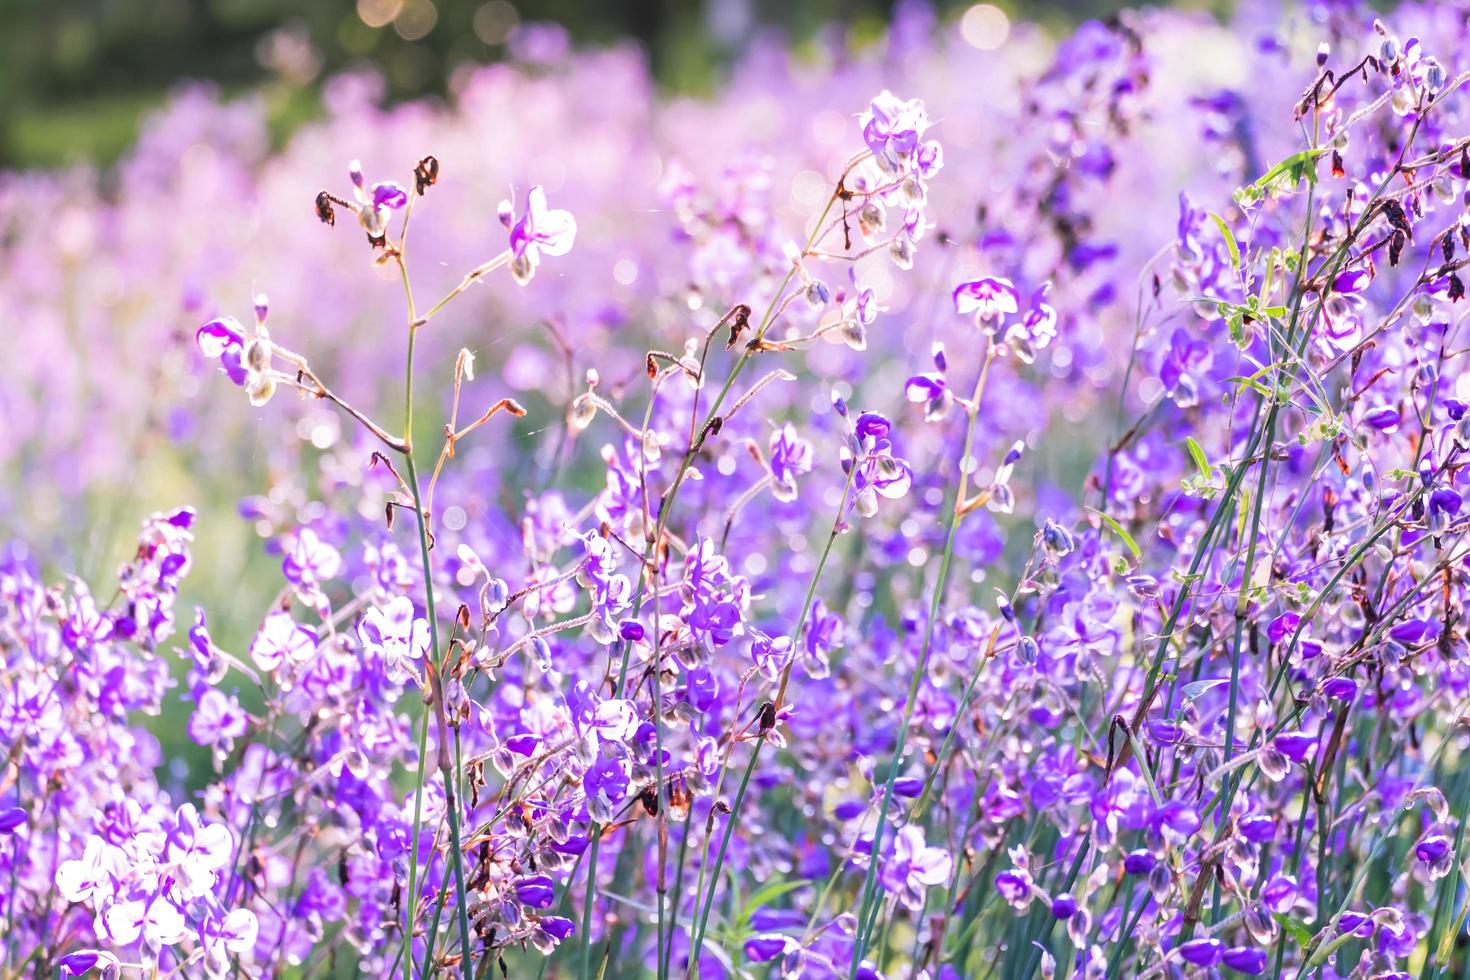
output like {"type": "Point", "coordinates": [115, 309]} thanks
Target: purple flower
{"type": "Point", "coordinates": [539, 229]}
{"type": "Point", "coordinates": [771, 654]}
{"type": "Point", "coordinates": [234, 934]}
{"type": "Point", "coordinates": [1035, 330]}
{"type": "Point", "coordinates": [1384, 418]}
{"type": "Point", "coordinates": [217, 721]}
{"type": "Point", "coordinates": [1245, 959]}
{"type": "Point", "coordinates": [716, 623]}
{"type": "Point", "coordinates": [12, 819]}
{"type": "Point", "coordinates": [282, 640]}
{"type": "Point", "coordinates": [395, 635]}
{"type": "Point", "coordinates": [1257, 828]}
{"type": "Point", "coordinates": [374, 203]}
{"type": "Point", "coordinates": [857, 307]}
{"type": "Point", "coordinates": [223, 339]}
{"type": "Point", "coordinates": [763, 949]}
{"type": "Point", "coordinates": [790, 457]}
{"type": "Point", "coordinates": [1352, 281]}
{"type": "Point", "coordinates": [914, 867]}
{"type": "Point", "coordinates": [878, 472]}
{"type": "Point", "coordinates": [988, 298]}
{"type": "Point", "coordinates": [1432, 849]}
{"type": "Point", "coordinates": [606, 786]}
{"type": "Point", "coordinates": [701, 688]}
{"type": "Point", "coordinates": [1015, 887]}
{"type": "Point", "coordinates": [309, 562]}
{"type": "Point", "coordinates": [893, 128]}
{"type": "Point", "coordinates": [1064, 906]}
{"type": "Point", "coordinates": [197, 850]}
{"type": "Point", "coordinates": [80, 963]}
{"type": "Point", "coordinates": [1279, 893]}
{"type": "Point", "coordinates": [551, 930]}
{"type": "Point", "coordinates": [1184, 366]}
{"type": "Point", "coordinates": [1296, 746]}
{"type": "Point", "coordinates": [537, 891]}
{"type": "Point", "coordinates": [824, 633]}
{"type": "Point", "coordinates": [1202, 952]}
{"type": "Point", "coordinates": [244, 358]}
{"type": "Point", "coordinates": [1139, 862]}
{"type": "Point", "coordinates": [1412, 631]}
{"type": "Point", "coordinates": [931, 390]}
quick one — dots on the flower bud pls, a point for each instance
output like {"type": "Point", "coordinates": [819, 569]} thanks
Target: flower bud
{"type": "Point", "coordinates": [872, 219]}
{"type": "Point", "coordinates": [258, 353]}
{"type": "Point", "coordinates": [541, 653]}
{"type": "Point", "coordinates": [583, 411]}
{"type": "Point", "coordinates": [1057, 539]}
{"type": "Point", "coordinates": [260, 389]}
{"type": "Point", "coordinates": [913, 191]}
{"type": "Point", "coordinates": [901, 250]}
{"type": "Point", "coordinates": [1433, 75]}
{"type": "Point", "coordinates": [521, 269]}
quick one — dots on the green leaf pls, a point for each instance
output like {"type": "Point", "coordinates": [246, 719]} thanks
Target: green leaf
{"type": "Point", "coordinates": [1294, 929]}
{"type": "Point", "coordinates": [1238, 335]}
{"type": "Point", "coordinates": [1254, 381]}
{"type": "Point", "coordinates": [1119, 531]}
{"type": "Point", "coordinates": [1201, 461]}
{"type": "Point", "coordinates": [762, 896]}
{"type": "Point", "coordinates": [1229, 237]}
{"type": "Point", "coordinates": [1290, 172]}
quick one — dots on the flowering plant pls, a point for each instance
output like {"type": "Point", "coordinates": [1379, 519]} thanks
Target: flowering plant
{"type": "Point", "coordinates": [913, 575]}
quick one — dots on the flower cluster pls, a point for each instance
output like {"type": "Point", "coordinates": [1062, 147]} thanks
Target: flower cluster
{"type": "Point", "coordinates": [1080, 594]}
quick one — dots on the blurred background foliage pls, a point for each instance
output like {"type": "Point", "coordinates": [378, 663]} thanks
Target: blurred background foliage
{"type": "Point", "coordinates": [77, 75]}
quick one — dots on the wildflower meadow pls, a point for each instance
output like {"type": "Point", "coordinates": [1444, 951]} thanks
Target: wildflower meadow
{"type": "Point", "coordinates": [986, 502]}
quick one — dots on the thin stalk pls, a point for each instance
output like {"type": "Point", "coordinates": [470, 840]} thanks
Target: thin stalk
{"type": "Point", "coordinates": [865, 918]}
{"type": "Point", "coordinates": [433, 669]}
{"type": "Point", "coordinates": [697, 937]}
{"type": "Point", "coordinates": [666, 508]}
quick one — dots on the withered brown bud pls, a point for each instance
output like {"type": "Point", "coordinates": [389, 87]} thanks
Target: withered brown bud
{"type": "Point", "coordinates": [324, 211]}
{"type": "Point", "coordinates": [1396, 247]}
{"type": "Point", "coordinates": [712, 429]}
{"type": "Point", "coordinates": [1465, 162]}
{"type": "Point", "coordinates": [1337, 167]}
{"type": "Point", "coordinates": [1394, 212]}
{"type": "Point", "coordinates": [649, 799]}
{"type": "Point", "coordinates": [739, 323]}
{"type": "Point", "coordinates": [426, 174]}
{"type": "Point", "coordinates": [768, 717]}
{"type": "Point", "coordinates": [1457, 288]}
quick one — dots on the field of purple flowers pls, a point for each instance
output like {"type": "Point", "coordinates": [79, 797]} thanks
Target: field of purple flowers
{"type": "Point", "coordinates": [981, 505]}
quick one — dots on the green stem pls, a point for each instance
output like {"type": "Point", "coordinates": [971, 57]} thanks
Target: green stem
{"type": "Point", "coordinates": [697, 938]}
{"type": "Point", "coordinates": [868, 910]}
